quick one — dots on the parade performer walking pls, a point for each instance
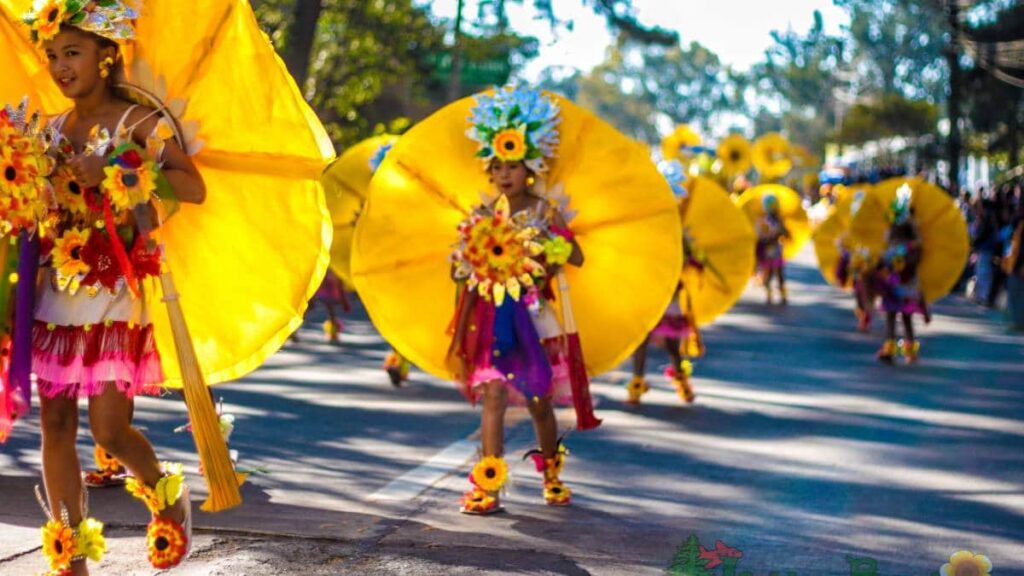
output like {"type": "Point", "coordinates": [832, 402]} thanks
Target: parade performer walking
{"type": "Point", "coordinates": [114, 215]}
{"type": "Point", "coordinates": [782, 230]}
{"type": "Point", "coordinates": [717, 258]}
{"type": "Point", "coordinates": [519, 333]}
{"type": "Point", "coordinates": [845, 258]}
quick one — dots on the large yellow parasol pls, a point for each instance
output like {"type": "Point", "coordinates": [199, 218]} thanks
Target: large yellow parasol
{"type": "Point", "coordinates": [941, 225]}
{"type": "Point", "coordinates": [346, 183]}
{"type": "Point", "coordinates": [247, 261]}
{"type": "Point", "coordinates": [791, 207]}
{"type": "Point", "coordinates": [771, 155]}
{"type": "Point", "coordinates": [723, 237]}
{"type": "Point", "coordinates": [627, 224]}
{"type": "Point", "coordinates": [835, 231]}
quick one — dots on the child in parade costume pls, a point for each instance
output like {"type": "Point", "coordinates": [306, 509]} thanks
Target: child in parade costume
{"type": "Point", "coordinates": [855, 269]}
{"type": "Point", "coordinates": [770, 261]}
{"type": "Point", "coordinates": [92, 336]}
{"type": "Point", "coordinates": [506, 340]}
{"type": "Point", "coordinates": [898, 282]}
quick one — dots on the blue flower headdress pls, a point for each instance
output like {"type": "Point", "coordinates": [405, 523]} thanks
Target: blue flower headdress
{"type": "Point", "coordinates": [516, 124]}
{"type": "Point", "coordinates": [675, 174]}
{"type": "Point", "coordinates": [899, 210]}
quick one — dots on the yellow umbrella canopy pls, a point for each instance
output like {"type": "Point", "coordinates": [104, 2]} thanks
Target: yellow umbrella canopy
{"type": "Point", "coordinates": [627, 224]}
{"type": "Point", "coordinates": [682, 137]}
{"type": "Point", "coordinates": [835, 231]}
{"type": "Point", "coordinates": [346, 183]}
{"type": "Point", "coordinates": [771, 156]}
{"type": "Point", "coordinates": [723, 235]}
{"type": "Point", "coordinates": [247, 261]}
{"type": "Point", "coordinates": [945, 244]}
{"type": "Point", "coordinates": [791, 208]}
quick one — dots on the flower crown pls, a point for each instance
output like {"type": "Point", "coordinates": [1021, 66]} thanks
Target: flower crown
{"type": "Point", "coordinates": [516, 125]}
{"type": "Point", "coordinates": [900, 210]}
{"type": "Point", "coordinates": [674, 173]}
{"type": "Point", "coordinates": [110, 19]}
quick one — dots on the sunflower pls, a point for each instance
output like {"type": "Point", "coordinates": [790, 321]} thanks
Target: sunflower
{"type": "Point", "coordinates": [67, 255]}
{"type": "Point", "coordinates": [129, 187]}
{"type": "Point", "coordinates": [771, 156]}
{"type": "Point", "coordinates": [734, 153]}
{"type": "Point", "coordinates": [556, 493]}
{"type": "Point", "coordinates": [165, 543]}
{"type": "Point", "coordinates": [104, 461]}
{"type": "Point", "coordinates": [90, 541]}
{"type": "Point", "coordinates": [674, 145]}
{"type": "Point", "coordinates": [638, 385]}
{"type": "Point", "coordinates": [58, 544]}
{"type": "Point", "coordinates": [49, 15]}
{"type": "Point", "coordinates": [69, 194]}
{"type": "Point", "coordinates": [495, 254]}
{"type": "Point", "coordinates": [166, 492]}
{"type": "Point", "coordinates": [16, 173]}
{"type": "Point", "coordinates": [967, 563]}
{"type": "Point", "coordinates": [510, 144]}
{"type": "Point", "coordinates": [489, 474]}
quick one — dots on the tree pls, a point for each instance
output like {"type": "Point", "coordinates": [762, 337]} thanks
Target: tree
{"type": "Point", "coordinates": [686, 561]}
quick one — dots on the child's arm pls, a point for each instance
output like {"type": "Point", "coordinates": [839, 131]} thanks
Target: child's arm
{"type": "Point", "coordinates": [178, 168]}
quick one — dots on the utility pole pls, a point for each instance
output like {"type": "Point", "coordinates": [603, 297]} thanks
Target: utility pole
{"type": "Point", "coordinates": [455, 81]}
{"type": "Point", "coordinates": [953, 56]}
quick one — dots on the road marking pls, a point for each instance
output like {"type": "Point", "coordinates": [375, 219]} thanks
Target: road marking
{"type": "Point", "coordinates": [416, 481]}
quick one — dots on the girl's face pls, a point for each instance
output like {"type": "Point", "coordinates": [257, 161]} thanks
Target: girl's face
{"type": "Point", "coordinates": [509, 177]}
{"type": "Point", "coordinates": [74, 62]}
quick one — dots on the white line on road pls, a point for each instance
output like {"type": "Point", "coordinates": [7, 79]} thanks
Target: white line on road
{"type": "Point", "coordinates": [416, 481]}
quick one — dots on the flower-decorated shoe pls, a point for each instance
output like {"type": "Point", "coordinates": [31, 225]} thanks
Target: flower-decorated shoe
{"type": "Point", "coordinates": [109, 471]}
{"type": "Point", "coordinates": [556, 493]}
{"type": "Point", "coordinates": [682, 381]}
{"type": "Point", "coordinates": [332, 330]}
{"type": "Point", "coordinates": [635, 389]}
{"type": "Point", "coordinates": [887, 352]}
{"type": "Point", "coordinates": [910, 349]}
{"type": "Point", "coordinates": [397, 368]}
{"type": "Point", "coordinates": [63, 544]}
{"type": "Point", "coordinates": [487, 477]}
{"type": "Point", "coordinates": [168, 542]}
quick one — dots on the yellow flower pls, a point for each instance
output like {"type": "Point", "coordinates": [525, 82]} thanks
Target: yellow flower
{"type": "Point", "coordinates": [165, 543]}
{"type": "Point", "coordinates": [967, 563]}
{"type": "Point", "coordinates": [58, 544]}
{"type": "Point", "coordinates": [127, 187]}
{"type": "Point", "coordinates": [138, 489]}
{"type": "Point", "coordinates": [49, 17]}
{"type": "Point", "coordinates": [90, 540]}
{"type": "Point", "coordinates": [478, 501]}
{"type": "Point", "coordinates": [510, 144]}
{"type": "Point", "coordinates": [489, 474]}
{"type": "Point", "coordinates": [556, 493]}
{"type": "Point", "coordinates": [67, 254]}
{"type": "Point", "coordinates": [104, 461]}
{"type": "Point", "coordinates": [771, 156]}
{"type": "Point", "coordinates": [734, 153]}
{"type": "Point", "coordinates": [68, 192]}
{"type": "Point", "coordinates": [166, 492]}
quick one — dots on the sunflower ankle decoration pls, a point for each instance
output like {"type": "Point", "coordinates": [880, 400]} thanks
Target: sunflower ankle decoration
{"type": "Point", "coordinates": [62, 544]}
{"type": "Point", "coordinates": [166, 492]}
{"type": "Point", "coordinates": [166, 543]}
{"type": "Point", "coordinates": [496, 253]}
{"type": "Point", "coordinates": [489, 474]}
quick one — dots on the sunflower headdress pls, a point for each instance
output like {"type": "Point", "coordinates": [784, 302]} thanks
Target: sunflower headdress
{"type": "Point", "coordinates": [900, 210]}
{"type": "Point", "coordinates": [110, 19]}
{"type": "Point", "coordinates": [515, 125]}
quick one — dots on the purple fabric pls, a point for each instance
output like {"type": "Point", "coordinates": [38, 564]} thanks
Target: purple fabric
{"type": "Point", "coordinates": [24, 310]}
{"type": "Point", "coordinates": [518, 353]}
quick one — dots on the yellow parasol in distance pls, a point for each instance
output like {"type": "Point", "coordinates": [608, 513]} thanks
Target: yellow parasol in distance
{"type": "Point", "coordinates": [627, 224]}
{"type": "Point", "coordinates": [944, 238]}
{"type": "Point", "coordinates": [791, 207]}
{"type": "Point", "coordinates": [682, 137]}
{"type": "Point", "coordinates": [723, 235]}
{"type": "Point", "coordinates": [346, 183]}
{"type": "Point", "coordinates": [836, 229]}
{"type": "Point", "coordinates": [734, 154]}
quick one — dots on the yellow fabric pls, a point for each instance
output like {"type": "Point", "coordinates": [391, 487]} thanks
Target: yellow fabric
{"type": "Point", "coordinates": [247, 261]}
{"type": "Point", "coordinates": [734, 154]}
{"type": "Point", "coordinates": [682, 137]}
{"type": "Point", "coordinates": [628, 227]}
{"type": "Point", "coordinates": [791, 208]}
{"type": "Point", "coordinates": [346, 183]}
{"type": "Point", "coordinates": [835, 230]}
{"type": "Point", "coordinates": [722, 232]}
{"type": "Point", "coordinates": [945, 243]}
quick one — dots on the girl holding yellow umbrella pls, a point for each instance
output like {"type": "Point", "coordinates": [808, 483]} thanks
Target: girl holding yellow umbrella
{"type": "Point", "coordinates": [124, 153]}
{"type": "Point", "coordinates": [717, 258]}
{"type": "Point", "coordinates": [516, 335]}
{"type": "Point", "coordinates": [782, 228]}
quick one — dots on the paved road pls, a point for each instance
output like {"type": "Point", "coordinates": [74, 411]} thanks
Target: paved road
{"type": "Point", "coordinates": [800, 452]}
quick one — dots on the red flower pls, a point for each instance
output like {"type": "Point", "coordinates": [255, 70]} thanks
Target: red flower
{"type": "Point", "coordinates": [98, 253]}
{"type": "Point", "coordinates": [146, 262]}
{"type": "Point", "coordinates": [130, 159]}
